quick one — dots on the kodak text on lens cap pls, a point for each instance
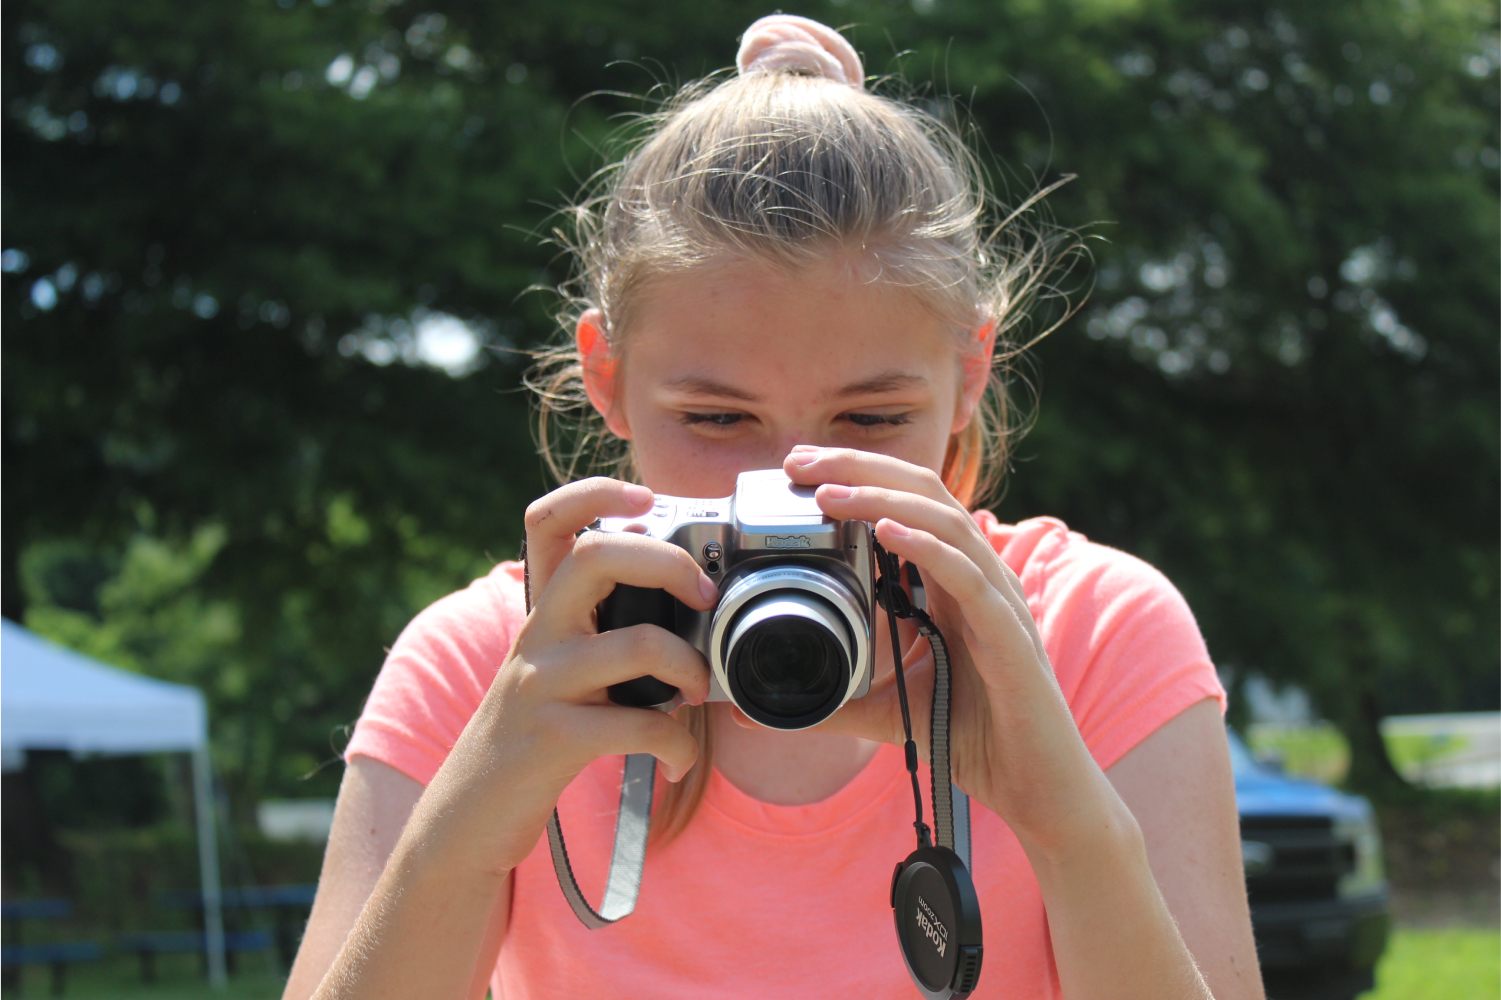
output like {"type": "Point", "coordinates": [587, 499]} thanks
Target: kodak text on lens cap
{"type": "Point", "coordinates": [938, 923]}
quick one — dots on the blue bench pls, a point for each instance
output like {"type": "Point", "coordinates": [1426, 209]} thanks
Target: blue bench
{"type": "Point", "coordinates": [16, 956]}
{"type": "Point", "coordinates": [57, 955]}
{"type": "Point", "coordinates": [288, 905]}
{"type": "Point", "coordinates": [150, 944]}
{"type": "Point", "coordinates": [35, 909]}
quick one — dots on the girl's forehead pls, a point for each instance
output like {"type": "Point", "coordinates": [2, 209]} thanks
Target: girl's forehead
{"type": "Point", "coordinates": [837, 279]}
{"type": "Point", "coordinates": [754, 318]}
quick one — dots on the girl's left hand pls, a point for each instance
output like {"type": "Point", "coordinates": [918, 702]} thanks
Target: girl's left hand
{"type": "Point", "coordinates": [1014, 745]}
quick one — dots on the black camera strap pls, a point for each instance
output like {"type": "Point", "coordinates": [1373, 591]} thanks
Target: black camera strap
{"type": "Point", "coordinates": [932, 894]}
{"type": "Point", "coordinates": [893, 598]}
{"type": "Point", "coordinates": [937, 911]}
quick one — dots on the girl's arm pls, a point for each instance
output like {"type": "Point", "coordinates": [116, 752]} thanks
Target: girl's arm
{"type": "Point", "coordinates": [1160, 911]}
{"type": "Point", "coordinates": [375, 801]}
{"type": "Point", "coordinates": [1016, 749]}
{"type": "Point", "coordinates": [433, 923]}
{"type": "Point", "coordinates": [1179, 786]}
{"type": "Point", "coordinates": [398, 901]}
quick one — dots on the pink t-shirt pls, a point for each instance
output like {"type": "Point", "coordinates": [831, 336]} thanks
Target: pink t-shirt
{"type": "Point", "coordinates": [755, 900]}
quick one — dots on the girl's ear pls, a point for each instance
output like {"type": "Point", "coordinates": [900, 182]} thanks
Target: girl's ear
{"type": "Point", "coordinates": [600, 367]}
{"type": "Point", "coordinates": [975, 366]}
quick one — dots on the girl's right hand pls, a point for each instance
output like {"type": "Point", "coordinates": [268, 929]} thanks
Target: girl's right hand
{"type": "Point", "coordinates": [547, 714]}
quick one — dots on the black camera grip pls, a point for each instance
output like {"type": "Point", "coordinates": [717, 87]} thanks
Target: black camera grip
{"type": "Point", "coordinates": [627, 606]}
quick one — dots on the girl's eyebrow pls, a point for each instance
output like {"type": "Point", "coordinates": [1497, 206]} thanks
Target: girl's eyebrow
{"type": "Point", "coordinates": [887, 381]}
{"type": "Point", "coordinates": [702, 385]}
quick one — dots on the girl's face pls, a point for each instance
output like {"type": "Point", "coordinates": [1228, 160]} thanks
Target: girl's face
{"type": "Point", "coordinates": [726, 369]}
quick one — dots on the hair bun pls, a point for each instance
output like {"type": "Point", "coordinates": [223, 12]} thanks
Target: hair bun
{"type": "Point", "coordinates": [792, 44]}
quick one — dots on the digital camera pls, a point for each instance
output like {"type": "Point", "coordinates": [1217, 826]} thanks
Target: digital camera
{"type": "Point", "coordinates": [790, 639]}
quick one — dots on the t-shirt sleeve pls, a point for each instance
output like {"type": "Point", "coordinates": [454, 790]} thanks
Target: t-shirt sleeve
{"type": "Point", "coordinates": [1125, 647]}
{"type": "Point", "coordinates": [1122, 640]}
{"type": "Point", "coordinates": [437, 673]}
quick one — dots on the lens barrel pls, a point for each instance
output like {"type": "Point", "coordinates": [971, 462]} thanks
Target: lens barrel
{"type": "Point", "coordinates": [788, 660]}
{"type": "Point", "coordinates": [789, 642]}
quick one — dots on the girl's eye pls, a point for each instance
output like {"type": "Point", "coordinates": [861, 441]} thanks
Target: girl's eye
{"type": "Point", "coordinates": [713, 419]}
{"type": "Point", "coordinates": [876, 419]}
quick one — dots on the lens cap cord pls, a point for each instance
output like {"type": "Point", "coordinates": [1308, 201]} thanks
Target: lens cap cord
{"type": "Point", "coordinates": [932, 894]}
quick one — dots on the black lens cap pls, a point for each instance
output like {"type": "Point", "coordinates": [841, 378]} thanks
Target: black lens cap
{"type": "Point", "coordinates": [938, 923]}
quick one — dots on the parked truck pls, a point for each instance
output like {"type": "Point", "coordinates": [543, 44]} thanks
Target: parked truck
{"type": "Point", "coordinates": [1320, 905]}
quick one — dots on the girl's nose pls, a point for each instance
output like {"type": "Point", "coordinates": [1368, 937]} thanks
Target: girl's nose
{"type": "Point", "coordinates": [785, 447]}
{"type": "Point", "coordinates": [818, 437]}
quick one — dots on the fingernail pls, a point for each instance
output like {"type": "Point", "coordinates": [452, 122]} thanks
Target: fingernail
{"type": "Point", "coordinates": [707, 588]}
{"type": "Point", "coordinates": [804, 457]}
{"type": "Point", "coordinates": [899, 530]}
{"type": "Point", "coordinates": [637, 495]}
{"type": "Point", "coordinates": [837, 491]}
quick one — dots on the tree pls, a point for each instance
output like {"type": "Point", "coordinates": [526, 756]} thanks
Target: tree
{"type": "Point", "coordinates": [217, 254]}
{"type": "Point", "coordinates": [1283, 390]}
{"type": "Point", "coordinates": [243, 241]}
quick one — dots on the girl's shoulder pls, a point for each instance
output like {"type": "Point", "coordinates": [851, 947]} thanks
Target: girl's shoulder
{"type": "Point", "coordinates": [1060, 567]}
{"type": "Point", "coordinates": [437, 672]}
{"type": "Point", "coordinates": [1122, 640]}
{"type": "Point", "coordinates": [495, 601]}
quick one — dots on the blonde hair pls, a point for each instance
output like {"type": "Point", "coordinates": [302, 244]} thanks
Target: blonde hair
{"type": "Point", "coordinates": [792, 169]}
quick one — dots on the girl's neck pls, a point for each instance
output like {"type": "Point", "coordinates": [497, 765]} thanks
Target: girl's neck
{"type": "Point", "coordinates": [785, 769]}
{"type": "Point", "coordinates": [797, 768]}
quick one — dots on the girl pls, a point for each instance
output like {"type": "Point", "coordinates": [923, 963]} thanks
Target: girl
{"type": "Point", "coordinates": [790, 271]}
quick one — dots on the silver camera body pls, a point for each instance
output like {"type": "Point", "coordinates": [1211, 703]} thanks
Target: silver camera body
{"type": "Point", "coordinates": [790, 640]}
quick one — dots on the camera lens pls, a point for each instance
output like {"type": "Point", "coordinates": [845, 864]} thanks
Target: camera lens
{"type": "Point", "coordinates": [789, 660]}
{"type": "Point", "coordinates": [788, 668]}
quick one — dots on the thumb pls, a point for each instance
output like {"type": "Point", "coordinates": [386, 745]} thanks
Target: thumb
{"type": "Point", "coordinates": [877, 717]}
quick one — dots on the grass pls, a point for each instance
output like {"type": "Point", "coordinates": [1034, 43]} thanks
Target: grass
{"type": "Point", "coordinates": [1450, 964]}
{"type": "Point", "coordinates": [178, 977]}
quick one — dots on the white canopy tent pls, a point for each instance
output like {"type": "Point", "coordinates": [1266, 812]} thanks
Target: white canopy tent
{"type": "Point", "coordinates": [52, 698]}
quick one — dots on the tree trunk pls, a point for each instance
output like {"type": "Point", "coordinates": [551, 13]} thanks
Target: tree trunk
{"type": "Point", "coordinates": [1371, 769]}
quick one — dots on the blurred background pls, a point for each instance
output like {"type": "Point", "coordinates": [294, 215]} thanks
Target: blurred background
{"type": "Point", "coordinates": [269, 273]}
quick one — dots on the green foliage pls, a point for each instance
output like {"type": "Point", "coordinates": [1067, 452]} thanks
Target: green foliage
{"type": "Point", "coordinates": [54, 793]}
{"type": "Point", "coordinates": [1321, 753]}
{"type": "Point", "coordinates": [118, 877]}
{"type": "Point", "coordinates": [227, 460]}
{"type": "Point", "coordinates": [1285, 389]}
{"type": "Point", "coordinates": [118, 884]}
{"type": "Point", "coordinates": [151, 616]}
{"type": "Point", "coordinates": [1444, 839]}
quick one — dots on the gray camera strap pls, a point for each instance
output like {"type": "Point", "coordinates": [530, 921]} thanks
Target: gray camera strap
{"type": "Point", "coordinates": [627, 861]}
{"type": "Point", "coordinates": [633, 821]}
{"type": "Point", "coordinates": [950, 805]}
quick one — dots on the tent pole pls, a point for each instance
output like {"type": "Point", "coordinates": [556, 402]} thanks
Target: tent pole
{"type": "Point", "coordinates": [208, 866]}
